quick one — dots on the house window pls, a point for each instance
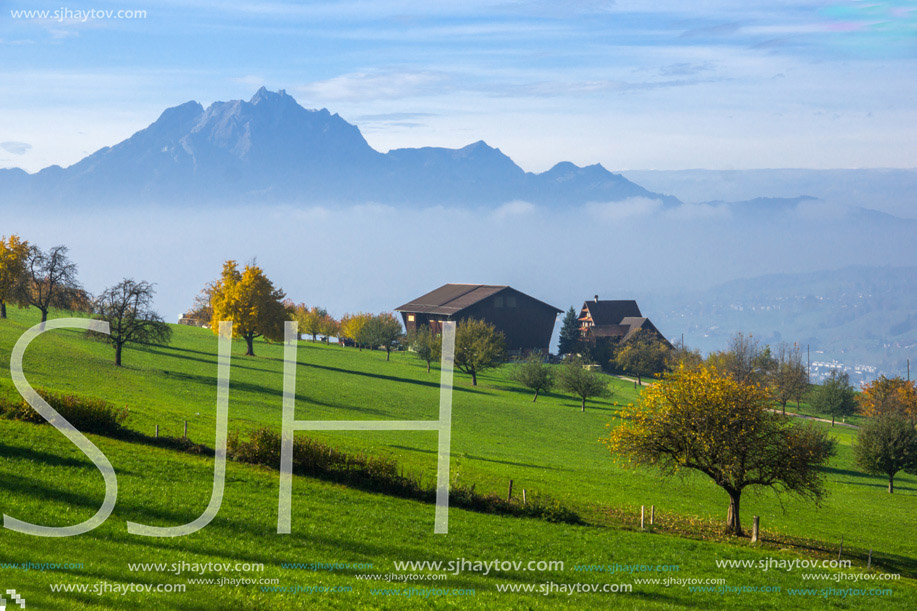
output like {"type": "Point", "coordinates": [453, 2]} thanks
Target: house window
{"type": "Point", "coordinates": [498, 301]}
{"type": "Point", "coordinates": [410, 318]}
{"type": "Point", "coordinates": [511, 301]}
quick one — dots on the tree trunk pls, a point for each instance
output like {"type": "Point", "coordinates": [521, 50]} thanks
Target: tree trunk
{"type": "Point", "coordinates": [250, 345]}
{"type": "Point", "coordinates": [535, 398]}
{"type": "Point", "coordinates": [832, 419]}
{"type": "Point", "coordinates": [2, 309]}
{"type": "Point", "coordinates": [784, 408]}
{"type": "Point", "coordinates": [639, 379]}
{"type": "Point", "coordinates": [428, 366]}
{"type": "Point", "coordinates": [387, 353]}
{"type": "Point", "coordinates": [474, 377]}
{"type": "Point", "coordinates": [118, 354]}
{"type": "Point", "coordinates": [891, 483]}
{"type": "Point", "coordinates": [733, 519]}
{"type": "Point", "coordinates": [584, 404]}
{"type": "Point", "coordinates": [44, 315]}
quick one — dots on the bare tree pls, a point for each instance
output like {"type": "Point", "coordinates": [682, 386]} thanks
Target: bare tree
{"type": "Point", "coordinates": [128, 309]}
{"type": "Point", "coordinates": [788, 379]}
{"type": "Point", "coordinates": [51, 280]}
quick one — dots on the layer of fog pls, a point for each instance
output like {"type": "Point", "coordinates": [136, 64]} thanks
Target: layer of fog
{"type": "Point", "coordinates": [375, 258]}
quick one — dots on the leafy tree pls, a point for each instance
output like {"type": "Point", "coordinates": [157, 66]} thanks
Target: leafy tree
{"type": "Point", "coordinates": [569, 340]}
{"type": "Point", "coordinates": [312, 320]}
{"type": "Point", "coordinates": [353, 327]}
{"type": "Point", "coordinates": [478, 347]}
{"type": "Point", "coordinates": [889, 396]}
{"type": "Point", "coordinates": [705, 420]}
{"type": "Point", "coordinates": [201, 311]}
{"type": "Point", "coordinates": [788, 379]}
{"type": "Point", "coordinates": [128, 309]}
{"type": "Point", "coordinates": [329, 327]}
{"type": "Point", "coordinates": [51, 280]}
{"type": "Point", "coordinates": [250, 300]}
{"type": "Point", "coordinates": [574, 377]}
{"type": "Point", "coordinates": [383, 330]}
{"type": "Point", "coordinates": [14, 254]}
{"type": "Point", "coordinates": [682, 356]}
{"type": "Point", "coordinates": [886, 445]}
{"type": "Point", "coordinates": [643, 355]}
{"type": "Point", "coordinates": [426, 345]}
{"type": "Point", "coordinates": [835, 396]}
{"type": "Point", "coordinates": [534, 374]}
{"type": "Point", "coordinates": [744, 360]}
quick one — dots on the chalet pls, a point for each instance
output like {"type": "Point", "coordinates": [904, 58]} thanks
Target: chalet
{"type": "Point", "coordinates": [526, 322]}
{"type": "Point", "coordinates": [614, 320]}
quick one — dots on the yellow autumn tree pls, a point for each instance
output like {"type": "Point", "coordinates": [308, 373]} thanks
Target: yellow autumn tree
{"type": "Point", "coordinates": [705, 420]}
{"type": "Point", "coordinates": [353, 327]}
{"type": "Point", "coordinates": [13, 255]}
{"type": "Point", "coordinates": [886, 396]}
{"type": "Point", "coordinates": [250, 300]}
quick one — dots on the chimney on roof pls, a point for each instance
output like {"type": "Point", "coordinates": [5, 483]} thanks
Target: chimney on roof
{"type": "Point", "coordinates": [596, 298]}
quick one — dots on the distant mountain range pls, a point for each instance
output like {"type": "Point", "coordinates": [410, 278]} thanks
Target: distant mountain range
{"type": "Point", "coordinates": [889, 190]}
{"type": "Point", "coordinates": [272, 149]}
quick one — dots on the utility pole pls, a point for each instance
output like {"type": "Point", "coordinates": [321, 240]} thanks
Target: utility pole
{"type": "Point", "coordinates": [909, 370]}
{"type": "Point", "coordinates": [808, 365]}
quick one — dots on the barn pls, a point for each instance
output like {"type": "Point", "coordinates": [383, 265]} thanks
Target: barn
{"type": "Point", "coordinates": [526, 322]}
{"type": "Point", "coordinates": [614, 320]}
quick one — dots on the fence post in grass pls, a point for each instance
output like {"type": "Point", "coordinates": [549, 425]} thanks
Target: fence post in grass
{"type": "Point", "coordinates": [523, 497]}
{"type": "Point", "coordinates": [652, 514]}
{"type": "Point", "coordinates": [186, 429]}
{"type": "Point", "coordinates": [869, 562]}
{"type": "Point", "coordinates": [840, 550]}
{"type": "Point", "coordinates": [754, 530]}
{"type": "Point", "coordinates": [157, 431]}
{"type": "Point", "coordinates": [642, 511]}
{"type": "Point", "coordinates": [509, 494]}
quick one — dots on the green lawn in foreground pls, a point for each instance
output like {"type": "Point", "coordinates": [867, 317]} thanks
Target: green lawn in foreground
{"type": "Point", "coordinates": [46, 480]}
{"type": "Point", "coordinates": [498, 433]}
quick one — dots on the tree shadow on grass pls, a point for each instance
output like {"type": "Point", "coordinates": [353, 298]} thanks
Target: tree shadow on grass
{"type": "Point", "coordinates": [390, 378]}
{"type": "Point", "coordinates": [37, 456]}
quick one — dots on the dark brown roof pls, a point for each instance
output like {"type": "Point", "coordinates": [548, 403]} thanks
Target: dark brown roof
{"type": "Point", "coordinates": [612, 312]}
{"type": "Point", "coordinates": [609, 330]}
{"type": "Point", "coordinates": [450, 299]}
{"type": "Point", "coordinates": [634, 324]}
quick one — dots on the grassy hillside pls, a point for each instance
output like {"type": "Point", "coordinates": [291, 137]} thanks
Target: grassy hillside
{"type": "Point", "coordinates": [498, 434]}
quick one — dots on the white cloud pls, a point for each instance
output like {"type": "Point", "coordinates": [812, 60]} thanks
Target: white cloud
{"type": "Point", "coordinates": [376, 85]}
{"type": "Point", "coordinates": [16, 148]}
{"type": "Point", "coordinates": [512, 209]}
{"type": "Point", "coordinates": [632, 207]}
{"type": "Point", "coordinates": [690, 212]}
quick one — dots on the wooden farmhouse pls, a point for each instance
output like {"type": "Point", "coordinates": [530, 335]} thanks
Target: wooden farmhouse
{"type": "Point", "coordinates": [614, 321]}
{"type": "Point", "coordinates": [526, 322]}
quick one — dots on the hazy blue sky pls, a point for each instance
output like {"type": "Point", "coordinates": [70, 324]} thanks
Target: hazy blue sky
{"type": "Point", "coordinates": [658, 84]}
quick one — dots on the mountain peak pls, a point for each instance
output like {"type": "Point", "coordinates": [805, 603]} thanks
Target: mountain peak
{"type": "Point", "coordinates": [264, 95]}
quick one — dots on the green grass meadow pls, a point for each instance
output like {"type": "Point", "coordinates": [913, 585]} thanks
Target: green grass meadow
{"type": "Point", "coordinates": [547, 448]}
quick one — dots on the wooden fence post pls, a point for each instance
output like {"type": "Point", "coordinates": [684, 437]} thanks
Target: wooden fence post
{"type": "Point", "coordinates": [754, 530]}
{"type": "Point", "coordinates": [157, 431]}
{"type": "Point", "coordinates": [652, 514]}
{"type": "Point", "coordinates": [840, 550]}
{"type": "Point", "coordinates": [509, 494]}
{"type": "Point", "coordinates": [641, 516]}
{"type": "Point", "coordinates": [869, 563]}
{"type": "Point", "coordinates": [186, 429]}
{"type": "Point", "coordinates": [523, 496]}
